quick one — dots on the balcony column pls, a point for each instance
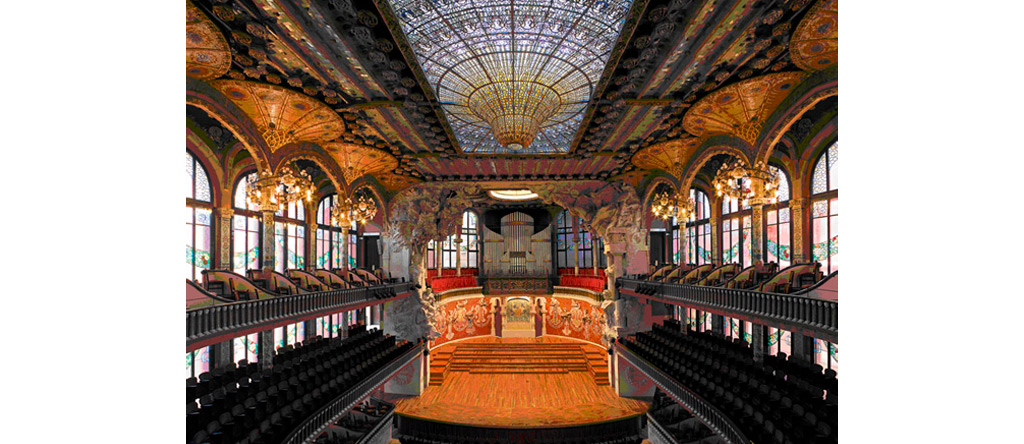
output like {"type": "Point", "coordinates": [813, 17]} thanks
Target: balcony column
{"type": "Point", "coordinates": [758, 341]}
{"type": "Point", "coordinates": [310, 326]}
{"type": "Point", "coordinates": [266, 347]}
{"type": "Point", "coordinates": [458, 252]}
{"type": "Point", "coordinates": [311, 227]}
{"type": "Point", "coordinates": [223, 353]}
{"type": "Point", "coordinates": [757, 220]}
{"type": "Point", "coordinates": [797, 216]}
{"type": "Point", "coordinates": [575, 248]}
{"type": "Point", "coordinates": [269, 247]}
{"type": "Point", "coordinates": [223, 220]}
{"type": "Point", "coordinates": [344, 247]}
{"type": "Point", "coordinates": [716, 230]}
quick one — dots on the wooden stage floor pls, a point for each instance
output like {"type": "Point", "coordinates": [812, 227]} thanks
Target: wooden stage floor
{"type": "Point", "coordinates": [519, 398]}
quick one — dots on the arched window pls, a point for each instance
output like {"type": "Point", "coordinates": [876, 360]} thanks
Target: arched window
{"type": "Point", "coordinates": [246, 228]}
{"type": "Point", "coordinates": [696, 248]}
{"type": "Point", "coordinates": [328, 236]}
{"type": "Point", "coordinates": [778, 228]}
{"type": "Point", "coordinates": [290, 237]}
{"type": "Point", "coordinates": [469, 249]}
{"type": "Point", "coordinates": [565, 227]}
{"type": "Point", "coordinates": [825, 210]}
{"type": "Point", "coordinates": [736, 230]}
{"type": "Point", "coordinates": [431, 255]}
{"type": "Point", "coordinates": [198, 215]}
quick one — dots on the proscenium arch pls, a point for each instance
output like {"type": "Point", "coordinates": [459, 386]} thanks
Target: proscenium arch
{"type": "Point", "coordinates": [819, 86]}
{"type": "Point", "coordinates": [203, 96]}
{"type": "Point", "coordinates": [312, 152]}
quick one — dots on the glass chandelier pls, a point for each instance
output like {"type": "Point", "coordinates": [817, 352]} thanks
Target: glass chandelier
{"type": "Point", "coordinates": [513, 75]}
{"type": "Point", "coordinates": [284, 188]}
{"type": "Point", "coordinates": [734, 180]}
{"type": "Point", "coordinates": [666, 206]}
{"type": "Point", "coordinates": [345, 211]}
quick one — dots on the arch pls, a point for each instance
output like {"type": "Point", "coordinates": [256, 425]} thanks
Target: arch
{"type": "Point", "coordinates": [203, 96]}
{"type": "Point", "coordinates": [817, 87]}
{"type": "Point", "coordinates": [648, 197]}
{"type": "Point", "coordinates": [312, 152]}
{"type": "Point", "coordinates": [376, 191]}
{"type": "Point", "coordinates": [712, 147]}
{"type": "Point", "coordinates": [820, 142]}
{"type": "Point", "coordinates": [208, 159]}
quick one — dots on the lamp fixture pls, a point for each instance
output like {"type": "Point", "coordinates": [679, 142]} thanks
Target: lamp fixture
{"type": "Point", "coordinates": [735, 180]}
{"type": "Point", "coordinates": [668, 206]}
{"type": "Point", "coordinates": [345, 211]}
{"type": "Point", "coordinates": [272, 191]}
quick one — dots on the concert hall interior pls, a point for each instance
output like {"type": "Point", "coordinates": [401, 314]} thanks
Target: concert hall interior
{"type": "Point", "coordinates": [481, 221]}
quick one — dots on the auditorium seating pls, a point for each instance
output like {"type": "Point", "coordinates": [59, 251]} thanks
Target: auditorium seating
{"type": "Point", "coordinates": [306, 280]}
{"type": "Point", "coordinates": [248, 405]}
{"type": "Point", "coordinates": [331, 279]}
{"type": "Point", "coordinates": [198, 297]}
{"type": "Point", "coordinates": [696, 274]}
{"type": "Point", "coordinates": [367, 276]}
{"type": "Point", "coordinates": [276, 283]}
{"type": "Point", "coordinates": [592, 283]}
{"type": "Point", "coordinates": [233, 286]}
{"type": "Point", "coordinates": [677, 273]}
{"type": "Point", "coordinates": [793, 278]}
{"type": "Point", "coordinates": [754, 276]}
{"type": "Point", "coordinates": [357, 423]}
{"type": "Point", "coordinates": [679, 422]}
{"type": "Point", "coordinates": [720, 275]}
{"type": "Point", "coordinates": [775, 402]}
{"type": "Point", "coordinates": [445, 283]}
{"type": "Point", "coordinates": [432, 274]}
{"type": "Point", "coordinates": [417, 431]}
{"type": "Point", "coordinates": [660, 272]}
{"type": "Point", "coordinates": [350, 277]}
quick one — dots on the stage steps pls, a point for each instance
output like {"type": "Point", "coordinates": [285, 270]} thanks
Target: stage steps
{"type": "Point", "coordinates": [529, 358]}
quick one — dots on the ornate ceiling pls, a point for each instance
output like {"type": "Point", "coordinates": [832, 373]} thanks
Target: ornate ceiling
{"type": "Point", "coordinates": [645, 79]}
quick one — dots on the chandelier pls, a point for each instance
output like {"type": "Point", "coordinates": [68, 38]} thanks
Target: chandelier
{"type": "Point", "coordinates": [666, 206]}
{"type": "Point", "coordinates": [345, 211]}
{"type": "Point", "coordinates": [735, 180]}
{"type": "Point", "coordinates": [284, 188]}
{"type": "Point", "coordinates": [513, 75]}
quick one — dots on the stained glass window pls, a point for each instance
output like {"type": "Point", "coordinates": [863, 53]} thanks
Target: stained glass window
{"type": "Point", "coordinates": [505, 69]}
{"type": "Point", "coordinates": [736, 232]}
{"type": "Point", "coordinates": [198, 219]}
{"type": "Point", "coordinates": [825, 210]}
{"type": "Point", "coordinates": [197, 362]}
{"type": "Point", "coordinates": [246, 229]}
{"type": "Point", "coordinates": [431, 255]}
{"type": "Point", "coordinates": [469, 249]}
{"type": "Point", "coordinates": [567, 252]}
{"type": "Point", "coordinates": [328, 236]}
{"type": "Point", "coordinates": [246, 348]}
{"type": "Point", "coordinates": [778, 228]}
{"type": "Point", "coordinates": [290, 238]}
{"type": "Point", "coordinates": [697, 237]}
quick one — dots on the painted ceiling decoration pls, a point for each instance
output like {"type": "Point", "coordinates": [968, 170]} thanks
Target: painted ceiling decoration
{"type": "Point", "coordinates": [207, 54]}
{"type": "Point", "coordinates": [357, 161]}
{"type": "Point", "coordinates": [740, 109]}
{"type": "Point", "coordinates": [282, 115]}
{"type": "Point", "coordinates": [815, 43]}
{"type": "Point", "coordinates": [670, 157]}
{"type": "Point", "coordinates": [512, 76]}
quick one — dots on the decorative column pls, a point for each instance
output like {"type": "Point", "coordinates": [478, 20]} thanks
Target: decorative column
{"type": "Point", "coordinates": [716, 230]}
{"type": "Point", "coordinates": [269, 249]}
{"type": "Point", "coordinates": [266, 349]}
{"type": "Point", "coordinates": [575, 248]}
{"type": "Point", "coordinates": [311, 228]}
{"type": "Point", "coordinates": [458, 253]}
{"type": "Point", "coordinates": [797, 216]}
{"type": "Point", "coordinates": [344, 247]}
{"type": "Point", "coordinates": [758, 339]}
{"type": "Point", "coordinates": [593, 252]}
{"type": "Point", "coordinates": [223, 353]}
{"type": "Point", "coordinates": [223, 220]}
{"type": "Point", "coordinates": [757, 220]}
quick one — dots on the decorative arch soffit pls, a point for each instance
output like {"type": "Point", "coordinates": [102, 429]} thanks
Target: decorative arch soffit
{"type": "Point", "coordinates": [712, 147]}
{"type": "Point", "coordinates": [203, 96]}
{"type": "Point", "coordinates": [376, 191]}
{"type": "Point", "coordinates": [817, 87]}
{"type": "Point", "coordinates": [312, 152]}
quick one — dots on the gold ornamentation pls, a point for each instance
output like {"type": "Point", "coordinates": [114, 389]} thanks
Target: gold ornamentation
{"type": "Point", "coordinates": [207, 54]}
{"type": "Point", "coordinates": [359, 160]}
{"type": "Point", "coordinates": [282, 115]}
{"type": "Point", "coordinates": [741, 109]}
{"type": "Point", "coordinates": [274, 192]}
{"type": "Point", "coordinates": [815, 43]}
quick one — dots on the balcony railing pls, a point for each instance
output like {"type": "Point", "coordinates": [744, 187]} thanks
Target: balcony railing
{"type": "Point", "coordinates": [701, 409]}
{"type": "Point", "coordinates": [785, 311]}
{"type": "Point", "coordinates": [657, 433]}
{"type": "Point", "coordinates": [202, 324]}
{"type": "Point", "coordinates": [319, 420]}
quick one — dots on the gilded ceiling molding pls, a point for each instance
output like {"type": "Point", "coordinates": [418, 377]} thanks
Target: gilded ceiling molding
{"type": "Point", "coordinates": [815, 88]}
{"type": "Point", "coordinates": [283, 116]}
{"type": "Point", "coordinates": [741, 109]}
{"type": "Point", "coordinates": [394, 183]}
{"type": "Point", "coordinates": [356, 161]}
{"type": "Point", "coordinates": [815, 42]}
{"type": "Point", "coordinates": [203, 96]}
{"type": "Point", "coordinates": [312, 152]}
{"type": "Point", "coordinates": [207, 54]}
{"type": "Point", "coordinates": [670, 156]}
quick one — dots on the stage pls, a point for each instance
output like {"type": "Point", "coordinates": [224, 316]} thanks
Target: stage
{"type": "Point", "coordinates": [543, 382]}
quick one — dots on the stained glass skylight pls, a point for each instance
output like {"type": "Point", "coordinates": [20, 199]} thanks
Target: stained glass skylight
{"type": "Point", "coordinates": [513, 76]}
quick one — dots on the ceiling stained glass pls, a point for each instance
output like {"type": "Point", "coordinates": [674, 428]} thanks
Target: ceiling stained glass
{"type": "Point", "coordinates": [513, 76]}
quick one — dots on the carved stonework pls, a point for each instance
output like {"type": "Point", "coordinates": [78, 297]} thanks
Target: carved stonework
{"type": "Point", "coordinates": [224, 216]}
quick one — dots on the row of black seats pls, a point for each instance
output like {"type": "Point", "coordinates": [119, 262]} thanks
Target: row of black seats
{"type": "Point", "coordinates": [679, 422]}
{"type": "Point", "coordinates": [767, 407]}
{"type": "Point", "coordinates": [271, 403]}
{"type": "Point", "coordinates": [457, 439]}
{"type": "Point", "coordinates": [354, 426]}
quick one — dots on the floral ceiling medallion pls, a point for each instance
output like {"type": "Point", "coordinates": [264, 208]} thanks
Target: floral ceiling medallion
{"type": "Point", "coordinates": [283, 116]}
{"type": "Point", "coordinates": [741, 109]}
{"type": "Point", "coordinates": [358, 160]}
{"type": "Point", "coordinates": [513, 76]}
{"type": "Point", "coordinates": [815, 43]}
{"type": "Point", "coordinates": [207, 54]}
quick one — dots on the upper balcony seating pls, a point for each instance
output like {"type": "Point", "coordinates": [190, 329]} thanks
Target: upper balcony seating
{"type": "Point", "coordinates": [368, 277]}
{"type": "Point", "coordinates": [233, 286]}
{"type": "Point", "coordinates": [244, 404]}
{"type": "Point", "coordinates": [793, 278]}
{"type": "Point", "coordinates": [306, 281]}
{"type": "Point", "coordinates": [331, 279]}
{"type": "Point", "coordinates": [450, 272]}
{"type": "Point", "coordinates": [677, 273]}
{"type": "Point", "coordinates": [765, 402]}
{"type": "Point", "coordinates": [660, 272]}
{"type": "Point", "coordinates": [582, 272]}
{"type": "Point", "coordinates": [679, 422]}
{"type": "Point", "coordinates": [752, 277]}
{"type": "Point", "coordinates": [592, 283]}
{"type": "Point", "coordinates": [197, 297]}
{"type": "Point", "coordinates": [696, 274]}
{"type": "Point", "coordinates": [278, 283]}
{"type": "Point", "coordinates": [359, 421]}
{"type": "Point", "coordinates": [349, 276]}
{"type": "Point", "coordinates": [719, 276]}
{"type": "Point", "coordinates": [445, 283]}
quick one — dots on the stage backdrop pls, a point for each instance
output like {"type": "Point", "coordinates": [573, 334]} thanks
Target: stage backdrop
{"type": "Point", "coordinates": [463, 318]}
{"type": "Point", "coordinates": [574, 318]}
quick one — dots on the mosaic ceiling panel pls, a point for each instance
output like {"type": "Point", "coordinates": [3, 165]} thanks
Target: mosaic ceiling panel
{"type": "Point", "coordinates": [282, 115]}
{"type": "Point", "coordinates": [357, 160]}
{"type": "Point", "coordinates": [670, 156]}
{"type": "Point", "coordinates": [815, 43]}
{"type": "Point", "coordinates": [741, 108]}
{"type": "Point", "coordinates": [207, 54]}
{"type": "Point", "coordinates": [504, 71]}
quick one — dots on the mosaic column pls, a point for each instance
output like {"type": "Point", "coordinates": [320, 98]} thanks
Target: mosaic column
{"type": "Point", "coordinates": [269, 249]}
{"type": "Point", "coordinates": [758, 339]}
{"type": "Point", "coordinates": [757, 220]}
{"type": "Point", "coordinates": [311, 253]}
{"type": "Point", "coordinates": [224, 218]}
{"type": "Point", "coordinates": [797, 213]}
{"type": "Point", "coordinates": [344, 247]}
{"type": "Point", "coordinates": [223, 353]}
{"type": "Point", "coordinates": [266, 349]}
